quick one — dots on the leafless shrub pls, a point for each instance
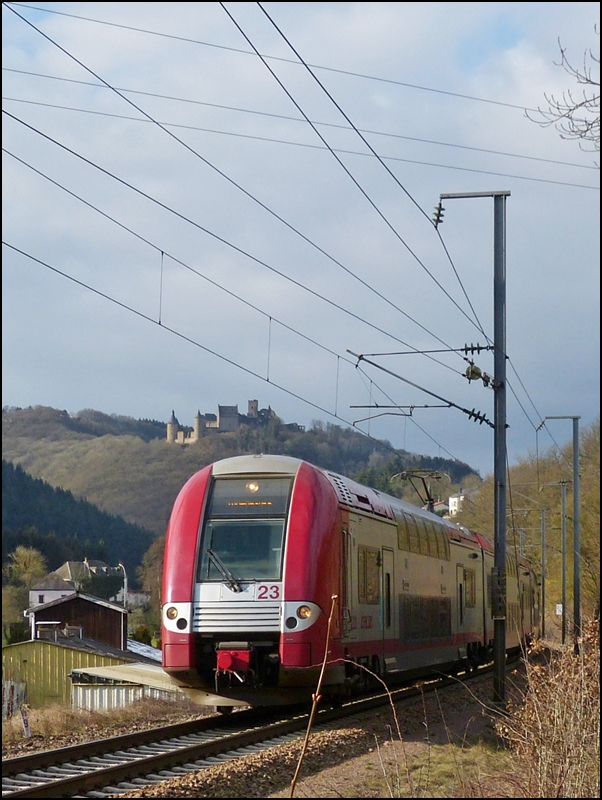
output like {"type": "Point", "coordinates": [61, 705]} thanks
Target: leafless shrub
{"type": "Point", "coordinates": [555, 732]}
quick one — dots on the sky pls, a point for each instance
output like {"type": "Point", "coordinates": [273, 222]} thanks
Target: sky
{"type": "Point", "coordinates": [208, 203]}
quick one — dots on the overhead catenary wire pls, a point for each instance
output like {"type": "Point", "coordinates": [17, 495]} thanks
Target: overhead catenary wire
{"type": "Point", "coordinates": [395, 82]}
{"type": "Point", "coordinates": [384, 444]}
{"type": "Point", "coordinates": [307, 145]}
{"type": "Point", "coordinates": [323, 124]}
{"type": "Point", "coordinates": [246, 302]}
{"type": "Point", "coordinates": [214, 283]}
{"type": "Point", "coordinates": [231, 180]}
{"type": "Point", "coordinates": [518, 400]}
{"type": "Point", "coordinates": [344, 167]}
{"type": "Point", "coordinates": [392, 174]}
{"type": "Point", "coordinates": [519, 378]}
{"type": "Point", "coordinates": [176, 260]}
{"type": "Point", "coordinates": [220, 238]}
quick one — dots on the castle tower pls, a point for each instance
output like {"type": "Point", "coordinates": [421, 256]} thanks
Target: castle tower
{"type": "Point", "coordinates": [198, 426]}
{"type": "Point", "coordinates": [253, 409]}
{"type": "Point", "coordinates": [173, 427]}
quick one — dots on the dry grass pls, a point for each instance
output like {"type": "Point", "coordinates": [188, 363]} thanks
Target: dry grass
{"type": "Point", "coordinates": [546, 743]}
{"type": "Point", "coordinates": [555, 732]}
{"type": "Point", "coordinates": [58, 721]}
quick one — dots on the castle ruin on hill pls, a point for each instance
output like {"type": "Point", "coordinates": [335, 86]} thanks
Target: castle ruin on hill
{"type": "Point", "coordinates": [226, 420]}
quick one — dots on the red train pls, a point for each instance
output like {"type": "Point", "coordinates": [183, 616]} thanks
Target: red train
{"type": "Point", "coordinates": [257, 546]}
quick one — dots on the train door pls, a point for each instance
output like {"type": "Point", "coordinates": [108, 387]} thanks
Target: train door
{"type": "Point", "coordinates": [388, 607]}
{"type": "Point", "coordinates": [348, 611]}
{"type": "Point", "coordinates": [460, 602]}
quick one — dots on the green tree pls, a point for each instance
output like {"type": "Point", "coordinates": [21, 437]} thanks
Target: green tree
{"type": "Point", "coordinates": [534, 486]}
{"type": "Point", "coordinates": [150, 575]}
{"type": "Point", "coordinates": [24, 567]}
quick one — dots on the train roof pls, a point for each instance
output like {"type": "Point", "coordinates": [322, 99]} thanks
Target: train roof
{"type": "Point", "coordinates": [349, 492]}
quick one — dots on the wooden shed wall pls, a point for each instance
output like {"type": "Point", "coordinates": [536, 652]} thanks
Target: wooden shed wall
{"type": "Point", "coordinates": [98, 622]}
{"type": "Point", "coordinates": [45, 667]}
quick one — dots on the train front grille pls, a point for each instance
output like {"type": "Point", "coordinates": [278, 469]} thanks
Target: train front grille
{"type": "Point", "coordinates": [236, 617]}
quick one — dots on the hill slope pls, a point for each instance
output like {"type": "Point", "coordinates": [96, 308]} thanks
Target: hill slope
{"type": "Point", "coordinates": [62, 528]}
{"type": "Point", "coordinates": [126, 466]}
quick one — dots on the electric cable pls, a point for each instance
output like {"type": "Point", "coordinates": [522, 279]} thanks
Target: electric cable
{"type": "Point", "coordinates": [164, 252]}
{"type": "Point", "coordinates": [306, 145]}
{"type": "Point", "coordinates": [277, 58]}
{"type": "Point", "coordinates": [230, 180]}
{"type": "Point", "coordinates": [342, 165]}
{"type": "Point", "coordinates": [289, 118]}
{"type": "Point", "coordinates": [384, 444]}
{"type": "Point", "coordinates": [221, 238]}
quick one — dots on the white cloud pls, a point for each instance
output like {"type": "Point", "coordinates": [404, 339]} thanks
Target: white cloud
{"type": "Point", "coordinates": [68, 348]}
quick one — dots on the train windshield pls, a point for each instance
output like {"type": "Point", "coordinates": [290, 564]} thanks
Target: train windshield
{"type": "Point", "coordinates": [243, 534]}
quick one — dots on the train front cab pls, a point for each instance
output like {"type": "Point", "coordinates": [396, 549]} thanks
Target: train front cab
{"type": "Point", "coordinates": [245, 610]}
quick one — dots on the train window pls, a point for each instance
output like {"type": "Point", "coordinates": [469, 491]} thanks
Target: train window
{"type": "Point", "coordinates": [424, 618]}
{"type": "Point", "coordinates": [250, 497]}
{"type": "Point", "coordinates": [432, 539]}
{"type": "Point", "coordinates": [243, 533]}
{"type": "Point", "coordinates": [442, 543]}
{"type": "Point", "coordinates": [511, 565]}
{"type": "Point", "coordinates": [368, 575]}
{"type": "Point", "coordinates": [403, 538]}
{"type": "Point", "coordinates": [241, 550]}
{"type": "Point", "coordinates": [423, 536]}
{"type": "Point", "coordinates": [470, 588]}
{"type": "Point", "coordinates": [413, 534]}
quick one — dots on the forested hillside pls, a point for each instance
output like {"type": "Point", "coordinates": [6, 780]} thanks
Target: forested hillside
{"type": "Point", "coordinates": [534, 493]}
{"type": "Point", "coordinates": [61, 528]}
{"type": "Point", "coordinates": [127, 468]}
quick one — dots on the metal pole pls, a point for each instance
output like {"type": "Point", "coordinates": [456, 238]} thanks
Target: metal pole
{"type": "Point", "coordinates": [543, 573]}
{"type": "Point", "coordinates": [125, 586]}
{"type": "Point", "coordinates": [499, 451]}
{"type": "Point", "coordinates": [576, 528]}
{"type": "Point", "coordinates": [563, 551]}
{"type": "Point", "coordinates": [576, 538]}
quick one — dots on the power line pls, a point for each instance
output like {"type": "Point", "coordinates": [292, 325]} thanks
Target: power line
{"type": "Point", "coordinates": [233, 182]}
{"type": "Point", "coordinates": [277, 58]}
{"type": "Point", "coordinates": [307, 145]}
{"type": "Point", "coordinates": [289, 118]}
{"type": "Point", "coordinates": [159, 322]}
{"type": "Point", "coordinates": [340, 162]}
{"type": "Point", "coordinates": [186, 266]}
{"type": "Point", "coordinates": [382, 163]}
{"type": "Point", "coordinates": [188, 339]}
{"type": "Point", "coordinates": [219, 238]}
{"type": "Point", "coordinates": [175, 259]}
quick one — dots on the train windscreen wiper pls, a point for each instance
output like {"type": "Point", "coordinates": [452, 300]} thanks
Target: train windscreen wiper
{"type": "Point", "coordinates": [229, 577]}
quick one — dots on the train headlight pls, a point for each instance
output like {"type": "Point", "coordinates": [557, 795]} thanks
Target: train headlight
{"type": "Point", "coordinates": [304, 612]}
{"type": "Point", "coordinates": [171, 612]}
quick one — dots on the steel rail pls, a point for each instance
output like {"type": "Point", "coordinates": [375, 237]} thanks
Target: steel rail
{"type": "Point", "coordinates": [99, 766]}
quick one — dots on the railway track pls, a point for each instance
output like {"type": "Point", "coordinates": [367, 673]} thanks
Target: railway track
{"type": "Point", "coordinates": [108, 767]}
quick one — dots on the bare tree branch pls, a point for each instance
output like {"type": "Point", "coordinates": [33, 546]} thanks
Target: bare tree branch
{"type": "Point", "coordinates": [575, 117]}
